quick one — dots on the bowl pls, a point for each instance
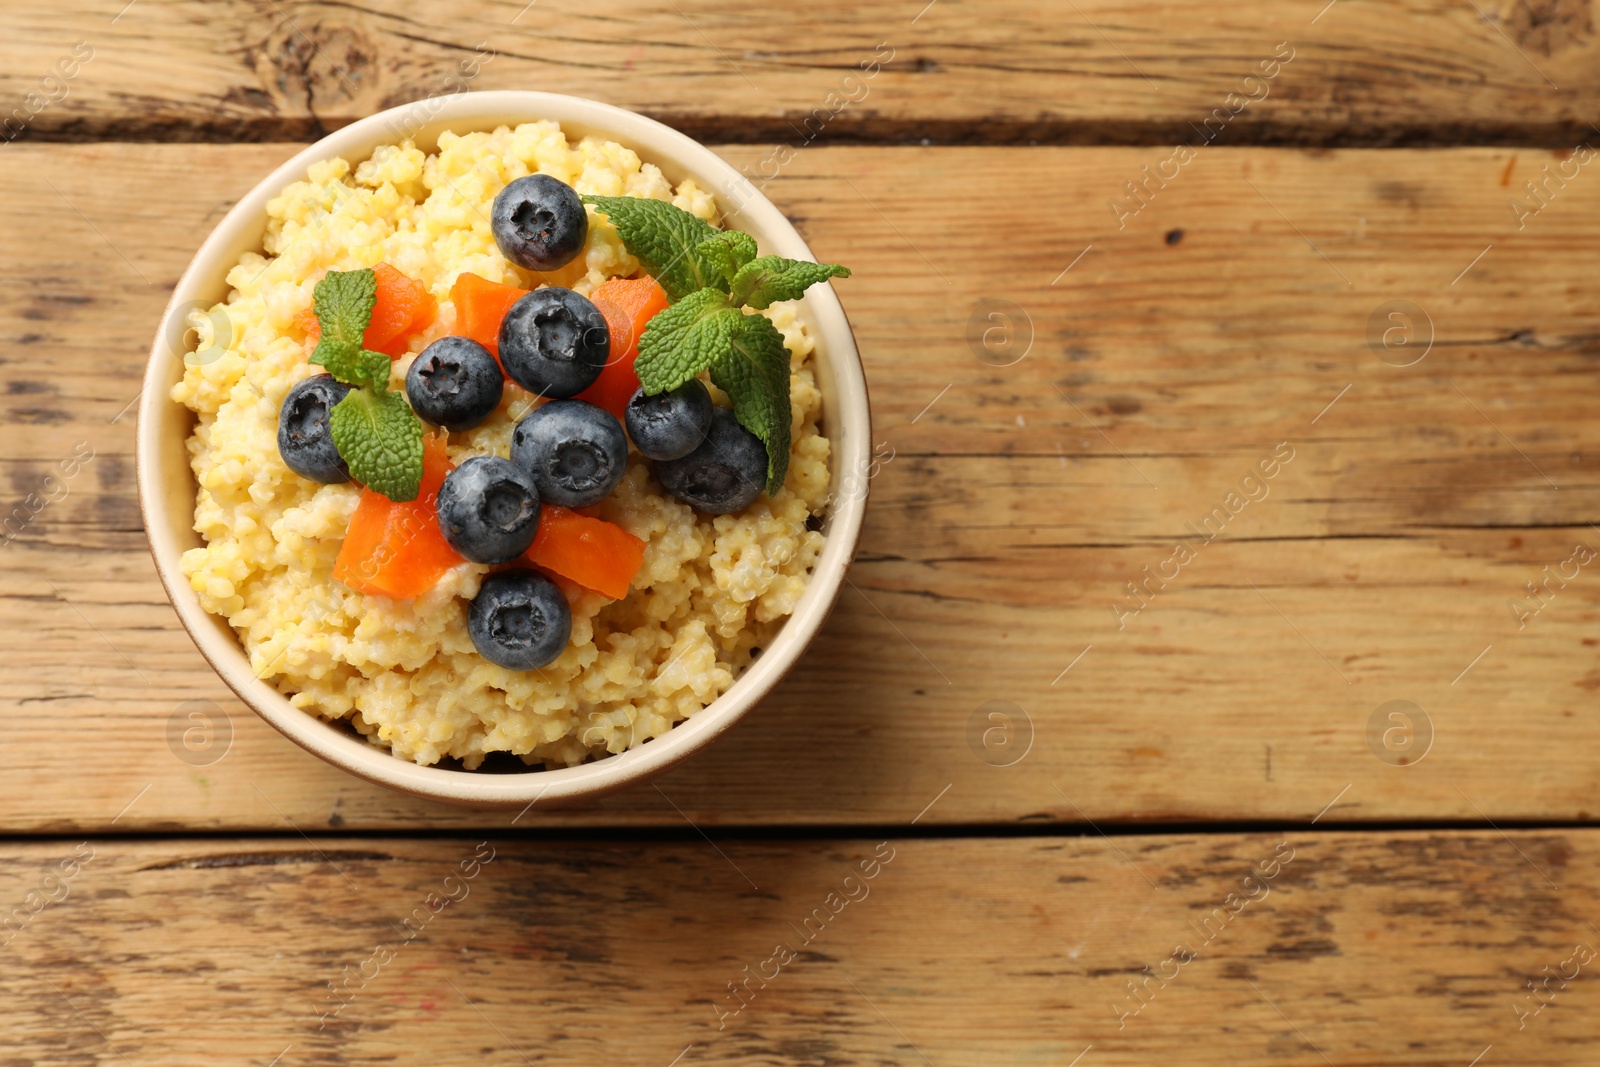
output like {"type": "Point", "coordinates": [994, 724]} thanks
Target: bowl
{"type": "Point", "coordinates": [167, 487]}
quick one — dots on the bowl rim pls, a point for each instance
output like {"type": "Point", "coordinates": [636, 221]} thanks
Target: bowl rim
{"type": "Point", "coordinates": [846, 412]}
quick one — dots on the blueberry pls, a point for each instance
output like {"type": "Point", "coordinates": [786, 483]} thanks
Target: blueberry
{"type": "Point", "coordinates": [575, 451]}
{"type": "Point", "coordinates": [539, 222]}
{"type": "Point", "coordinates": [303, 438]}
{"type": "Point", "coordinates": [724, 474]}
{"type": "Point", "coordinates": [454, 383]}
{"type": "Point", "coordinates": [489, 509]}
{"type": "Point", "coordinates": [554, 342]}
{"type": "Point", "coordinates": [669, 425]}
{"type": "Point", "coordinates": [519, 620]}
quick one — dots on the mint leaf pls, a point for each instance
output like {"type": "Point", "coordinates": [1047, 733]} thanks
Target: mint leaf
{"type": "Point", "coordinates": [381, 440]}
{"type": "Point", "coordinates": [375, 431]}
{"type": "Point", "coordinates": [728, 251]}
{"type": "Point", "coordinates": [710, 275]}
{"type": "Point", "coordinates": [754, 371]}
{"type": "Point", "coordinates": [684, 339]}
{"type": "Point", "coordinates": [343, 301]}
{"type": "Point", "coordinates": [762, 282]}
{"type": "Point", "coordinates": [664, 239]}
{"type": "Point", "coordinates": [353, 364]}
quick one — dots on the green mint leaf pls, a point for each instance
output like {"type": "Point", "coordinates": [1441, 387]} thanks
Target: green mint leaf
{"type": "Point", "coordinates": [353, 365]}
{"type": "Point", "coordinates": [374, 430]}
{"type": "Point", "coordinates": [381, 439]}
{"type": "Point", "coordinates": [665, 240]}
{"type": "Point", "coordinates": [754, 371]}
{"type": "Point", "coordinates": [343, 301]}
{"type": "Point", "coordinates": [684, 339]}
{"type": "Point", "coordinates": [762, 282]}
{"type": "Point", "coordinates": [728, 251]}
{"type": "Point", "coordinates": [374, 367]}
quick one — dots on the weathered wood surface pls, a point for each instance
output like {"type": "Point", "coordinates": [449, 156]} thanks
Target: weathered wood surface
{"type": "Point", "coordinates": [1171, 346]}
{"type": "Point", "coordinates": [1376, 948]}
{"type": "Point", "coordinates": [962, 71]}
{"type": "Point", "coordinates": [1019, 502]}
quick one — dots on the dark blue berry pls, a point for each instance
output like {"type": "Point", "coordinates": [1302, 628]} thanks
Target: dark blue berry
{"type": "Point", "coordinates": [489, 509]}
{"type": "Point", "coordinates": [575, 451]}
{"type": "Point", "coordinates": [519, 620]}
{"type": "Point", "coordinates": [454, 383]}
{"type": "Point", "coordinates": [554, 342]}
{"type": "Point", "coordinates": [303, 438]}
{"type": "Point", "coordinates": [724, 474]}
{"type": "Point", "coordinates": [670, 425]}
{"type": "Point", "coordinates": [539, 222]}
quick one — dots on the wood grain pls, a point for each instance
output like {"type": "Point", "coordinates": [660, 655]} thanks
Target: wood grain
{"type": "Point", "coordinates": [1068, 377]}
{"type": "Point", "coordinates": [1393, 948]}
{"type": "Point", "coordinates": [999, 71]}
{"type": "Point", "coordinates": [1228, 316]}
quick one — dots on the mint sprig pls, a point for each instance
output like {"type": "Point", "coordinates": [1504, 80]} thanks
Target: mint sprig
{"type": "Point", "coordinates": [376, 432]}
{"type": "Point", "coordinates": [711, 276]}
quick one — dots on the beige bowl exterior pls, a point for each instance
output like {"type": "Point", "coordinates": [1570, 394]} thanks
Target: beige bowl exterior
{"type": "Point", "coordinates": [167, 486]}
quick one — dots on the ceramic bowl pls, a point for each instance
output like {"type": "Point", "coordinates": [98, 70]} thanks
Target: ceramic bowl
{"type": "Point", "coordinates": [167, 486]}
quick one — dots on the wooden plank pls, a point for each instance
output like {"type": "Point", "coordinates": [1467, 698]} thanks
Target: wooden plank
{"type": "Point", "coordinates": [1420, 500]}
{"type": "Point", "coordinates": [956, 71]}
{"type": "Point", "coordinates": [1299, 948]}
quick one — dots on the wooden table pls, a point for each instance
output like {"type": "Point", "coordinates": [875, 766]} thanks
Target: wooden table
{"type": "Point", "coordinates": [1183, 823]}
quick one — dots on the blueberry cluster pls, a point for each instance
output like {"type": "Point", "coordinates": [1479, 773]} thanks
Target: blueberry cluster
{"type": "Point", "coordinates": [554, 343]}
{"type": "Point", "coordinates": [567, 452]}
